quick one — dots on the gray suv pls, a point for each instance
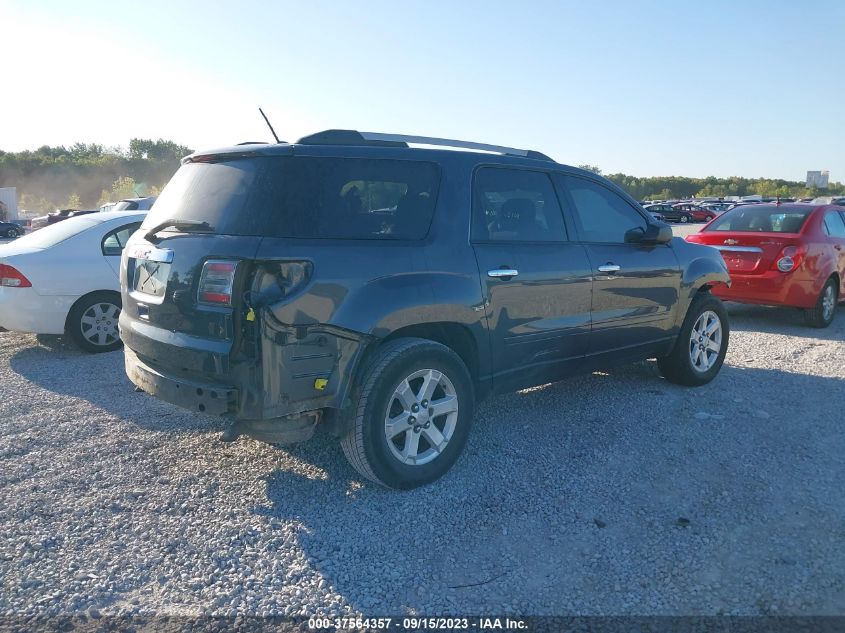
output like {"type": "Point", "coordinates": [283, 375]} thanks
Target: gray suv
{"type": "Point", "coordinates": [381, 290]}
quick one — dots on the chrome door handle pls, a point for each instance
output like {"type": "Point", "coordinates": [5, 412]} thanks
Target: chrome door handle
{"type": "Point", "coordinates": [609, 268]}
{"type": "Point", "coordinates": [502, 272]}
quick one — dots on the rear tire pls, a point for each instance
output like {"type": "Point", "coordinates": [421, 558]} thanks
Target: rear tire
{"type": "Point", "coordinates": [398, 436]}
{"type": "Point", "coordinates": [13, 233]}
{"type": "Point", "coordinates": [702, 343]}
{"type": "Point", "coordinates": [92, 322]}
{"type": "Point", "coordinates": [822, 314]}
{"type": "Point", "coordinates": [684, 218]}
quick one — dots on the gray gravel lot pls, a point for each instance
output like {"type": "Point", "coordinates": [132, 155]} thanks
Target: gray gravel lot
{"type": "Point", "coordinates": [610, 493]}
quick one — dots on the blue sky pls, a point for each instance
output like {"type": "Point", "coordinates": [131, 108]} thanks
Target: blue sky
{"type": "Point", "coordinates": [646, 88]}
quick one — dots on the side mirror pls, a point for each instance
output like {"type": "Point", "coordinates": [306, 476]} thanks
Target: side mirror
{"type": "Point", "coordinates": [656, 233]}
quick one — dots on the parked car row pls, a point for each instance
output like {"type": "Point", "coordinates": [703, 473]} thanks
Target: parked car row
{"type": "Point", "coordinates": [335, 281]}
{"type": "Point", "coordinates": [687, 212]}
{"type": "Point", "coordinates": [127, 204]}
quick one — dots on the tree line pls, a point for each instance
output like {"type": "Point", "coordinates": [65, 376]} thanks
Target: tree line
{"type": "Point", "coordinates": [680, 187]}
{"type": "Point", "coordinates": [86, 175]}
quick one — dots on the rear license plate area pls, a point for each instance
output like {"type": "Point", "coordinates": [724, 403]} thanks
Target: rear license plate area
{"type": "Point", "coordinates": [150, 278]}
{"type": "Point", "coordinates": [741, 262]}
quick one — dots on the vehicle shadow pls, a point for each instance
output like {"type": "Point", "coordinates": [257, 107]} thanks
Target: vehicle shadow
{"type": "Point", "coordinates": [566, 489]}
{"type": "Point", "coordinates": [785, 321]}
{"type": "Point", "coordinates": [101, 380]}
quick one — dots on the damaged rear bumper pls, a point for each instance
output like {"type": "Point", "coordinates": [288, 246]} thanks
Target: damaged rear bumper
{"type": "Point", "coordinates": [275, 394]}
{"type": "Point", "coordinates": [218, 399]}
{"type": "Point", "coordinates": [204, 397]}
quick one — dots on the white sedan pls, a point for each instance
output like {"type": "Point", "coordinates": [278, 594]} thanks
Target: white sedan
{"type": "Point", "coordinates": [63, 279]}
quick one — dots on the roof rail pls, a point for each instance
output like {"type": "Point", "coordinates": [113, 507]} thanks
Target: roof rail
{"type": "Point", "coordinates": [353, 137]}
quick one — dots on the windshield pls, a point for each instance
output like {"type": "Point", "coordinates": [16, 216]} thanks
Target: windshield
{"type": "Point", "coordinates": [762, 219]}
{"type": "Point", "coordinates": [52, 234]}
{"type": "Point", "coordinates": [125, 205]}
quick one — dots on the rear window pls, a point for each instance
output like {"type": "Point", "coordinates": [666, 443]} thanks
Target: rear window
{"type": "Point", "coordinates": [126, 205]}
{"type": "Point", "coordinates": [753, 218]}
{"type": "Point", "coordinates": [304, 197]}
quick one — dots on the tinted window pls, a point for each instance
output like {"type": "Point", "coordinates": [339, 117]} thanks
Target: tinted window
{"type": "Point", "coordinates": [601, 214]}
{"type": "Point", "coordinates": [114, 241]}
{"type": "Point", "coordinates": [834, 225]}
{"type": "Point", "coordinates": [304, 197]}
{"type": "Point", "coordinates": [126, 205]}
{"type": "Point", "coordinates": [517, 206]}
{"type": "Point", "coordinates": [753, 218]}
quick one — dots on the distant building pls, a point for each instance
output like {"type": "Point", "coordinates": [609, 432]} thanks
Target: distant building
{"type": "Point", "coordinates": [818, 179]}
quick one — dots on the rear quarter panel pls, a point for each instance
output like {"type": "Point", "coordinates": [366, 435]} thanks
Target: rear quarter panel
{"type": "Point", "coordinates": [378, 287]}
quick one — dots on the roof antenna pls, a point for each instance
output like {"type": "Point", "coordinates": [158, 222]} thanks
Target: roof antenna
{"type": "Point", "coordinates": [268, 125]}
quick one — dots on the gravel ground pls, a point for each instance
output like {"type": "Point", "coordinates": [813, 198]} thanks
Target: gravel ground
{"type": "Point", "coordinates": [611, 493]}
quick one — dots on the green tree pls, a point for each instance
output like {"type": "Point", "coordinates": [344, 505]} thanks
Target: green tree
{"type": "Point", "coordinates": [72, 202]}
{"type": "Point", "coordinates": [592, 168]}
{"type": "Point", "coordinates": [124, 187]}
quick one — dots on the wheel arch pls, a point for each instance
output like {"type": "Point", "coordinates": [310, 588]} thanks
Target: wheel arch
{"type": "Point", "coordinates": [455, 336]}
{"type": "Point", "coordinates": [700, 275]}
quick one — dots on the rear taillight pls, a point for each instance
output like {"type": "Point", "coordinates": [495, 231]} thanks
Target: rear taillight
{"type": "Point", "coordinates": [216, 281]}
{"type": "Point", "coordinates": [13, 278]}
{"type": "Point", "coordinates": [789, 259]}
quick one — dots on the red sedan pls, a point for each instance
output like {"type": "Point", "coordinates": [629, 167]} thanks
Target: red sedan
{"type": "Point", "coordinates": [788, 255]}
{"type": "Point", "coordinates": [694, 211]}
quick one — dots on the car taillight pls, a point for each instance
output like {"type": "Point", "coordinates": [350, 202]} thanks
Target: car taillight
{"type": "Point", "coordinates": [789, 259]}
{"type": "Point", "coordinates": [216, 281]}
{"type": "Point", "coordinates": [13, 278]}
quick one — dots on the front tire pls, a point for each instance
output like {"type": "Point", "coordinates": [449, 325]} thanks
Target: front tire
{"type": "Point", "coordinates": [412, 414]}
{"type": "Point", "coordinates": [684, 219]}
{"type": "Point", "coordinates": [822, 314]}
{"type": "Point", "coordinates": [92, 322]}
{"type": "Point", "coordinates": [702, 343]}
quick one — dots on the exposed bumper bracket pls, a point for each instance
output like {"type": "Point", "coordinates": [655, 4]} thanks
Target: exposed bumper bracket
{"type": "Point", "coordinates": [290, 430]}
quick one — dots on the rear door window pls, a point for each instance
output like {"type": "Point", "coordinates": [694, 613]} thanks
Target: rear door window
{"type": "Point", "coordinates": [304, 197]}
{"type": "Point", "coordinates": [834, 226]}
{"type": "Point", "coordinates": [512, 205]}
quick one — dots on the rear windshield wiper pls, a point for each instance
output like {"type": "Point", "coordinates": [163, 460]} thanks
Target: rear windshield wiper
{"type": "Point", "coordinates": [185, 225]}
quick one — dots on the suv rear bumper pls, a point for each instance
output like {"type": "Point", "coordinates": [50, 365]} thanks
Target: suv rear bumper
{"type": "Point", "coordinates": [204, 397]}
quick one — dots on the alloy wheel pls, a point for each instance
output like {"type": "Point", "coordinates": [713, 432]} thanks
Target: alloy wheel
{"type": "Point", "coordinates": [705, 341]}
{"type": "Point", "coordinates": [99, 324]}
{"type": "Point", "coordinates": [421, 417]}
{"type": "Point", "coordinates": [828, 302]}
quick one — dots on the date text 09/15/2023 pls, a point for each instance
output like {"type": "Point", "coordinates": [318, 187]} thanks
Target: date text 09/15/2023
{"type": "Point", "coordinates": [417, 623]}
